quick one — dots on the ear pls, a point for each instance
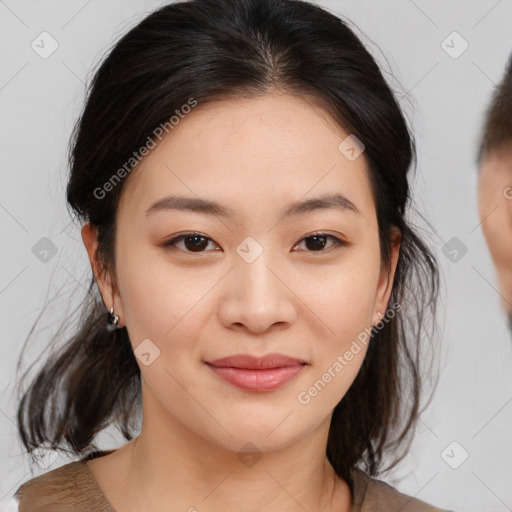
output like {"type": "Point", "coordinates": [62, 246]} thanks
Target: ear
{"type": "Point", "coordinates": [386, 278]}
{"type": "Point", "coordinates": [103, 278]}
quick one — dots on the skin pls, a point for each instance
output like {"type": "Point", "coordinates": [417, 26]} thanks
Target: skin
{"type": "Point", "coordinates": [495, 210]}
{"type": "Point", "coordinates": [255, 156]}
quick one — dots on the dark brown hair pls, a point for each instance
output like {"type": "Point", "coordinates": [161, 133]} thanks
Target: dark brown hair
{"type": "Point", "coordinates": [497, 126]}
{"type": "Point", "coordinates": [207, 50]}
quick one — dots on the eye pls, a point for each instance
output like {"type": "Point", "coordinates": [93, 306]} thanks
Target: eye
{"type": "Point", "coordinates": [197, 242]}
{"type": "Point", "coordinates": [317, 242]}
{"type": "Point", "coordinates": [194, 242]}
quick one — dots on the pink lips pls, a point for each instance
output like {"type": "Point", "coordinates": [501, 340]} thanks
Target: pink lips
{"type": "Point", "coordinates": [257, 373]}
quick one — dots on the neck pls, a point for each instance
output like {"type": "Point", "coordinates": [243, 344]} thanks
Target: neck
{"type": "Point", "coordinates": [167, 464]}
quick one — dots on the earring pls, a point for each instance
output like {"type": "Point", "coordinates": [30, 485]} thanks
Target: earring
{"type": "Point", "coordinates": [112, 320]}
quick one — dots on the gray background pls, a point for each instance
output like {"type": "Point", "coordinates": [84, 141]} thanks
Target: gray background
{"type": "Point", "coordinates": [444, 97]}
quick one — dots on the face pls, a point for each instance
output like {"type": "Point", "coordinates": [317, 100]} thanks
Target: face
{"type": "Point", "coordinates": [495, 209]}
{"type": "Point", "coordinates": [244, 277]}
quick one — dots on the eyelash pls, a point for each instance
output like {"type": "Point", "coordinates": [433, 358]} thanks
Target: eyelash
{"type": "Point", "coordinates": [171, 244]}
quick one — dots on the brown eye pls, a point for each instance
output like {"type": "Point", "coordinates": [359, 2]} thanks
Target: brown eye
{"type": "Point", "coordinates": [192, 242]}
{"type": "Point", "coordinates": [318, 241]}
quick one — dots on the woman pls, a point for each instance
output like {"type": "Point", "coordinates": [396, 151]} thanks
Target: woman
{"type": "Point", "coordinates": [241, 172]}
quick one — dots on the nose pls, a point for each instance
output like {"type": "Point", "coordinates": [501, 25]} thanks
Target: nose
{"type": "Point", "coordinates": [257, 296]}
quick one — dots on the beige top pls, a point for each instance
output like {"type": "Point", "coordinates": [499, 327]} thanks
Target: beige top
{"type": "Point", "coordinates": [73, 487]}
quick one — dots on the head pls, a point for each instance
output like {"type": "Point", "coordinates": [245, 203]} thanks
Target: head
{"type": "Point", "coordinates": [495, 185]}
{"type": "Point", "coordinates": [247, 222]}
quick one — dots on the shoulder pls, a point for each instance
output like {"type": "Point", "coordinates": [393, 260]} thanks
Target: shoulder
{"type": "Point", "coordinates": [68, 487]}
{"type": "Point", "coordinates": [376, 495]}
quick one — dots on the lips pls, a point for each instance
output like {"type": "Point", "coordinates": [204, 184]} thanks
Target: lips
{"type": "Point", "coordinates": [257, 363]}
{"type": "Point", "coordinates": [257, 373]}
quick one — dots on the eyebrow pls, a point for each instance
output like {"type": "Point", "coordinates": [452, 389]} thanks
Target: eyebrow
{"type": "Point", "coordinates": [195, 204]}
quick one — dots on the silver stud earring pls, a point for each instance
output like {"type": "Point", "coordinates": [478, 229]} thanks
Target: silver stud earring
{"type": "Point", "coordinates": [112, 320]}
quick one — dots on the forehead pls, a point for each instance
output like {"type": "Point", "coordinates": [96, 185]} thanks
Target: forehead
{"type": "Point", "coordinates": [252, 153]}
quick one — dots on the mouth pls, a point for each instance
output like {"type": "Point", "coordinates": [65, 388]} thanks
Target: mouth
{"type": "Point", "coordinates": [252, 373]}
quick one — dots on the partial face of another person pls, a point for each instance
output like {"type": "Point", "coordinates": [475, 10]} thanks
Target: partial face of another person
{"type": "Point", "coordinates": [254, 274]}
{"type": "Point", "coordinates": [495, 209]}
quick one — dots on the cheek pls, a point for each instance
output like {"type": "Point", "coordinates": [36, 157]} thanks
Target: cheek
{"type": "Point", "coordinates": [344, 295]}
{"type": "Point", "coordinates": [345, 307]}
{"type": "Point", "coordinates": [156, 299]}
